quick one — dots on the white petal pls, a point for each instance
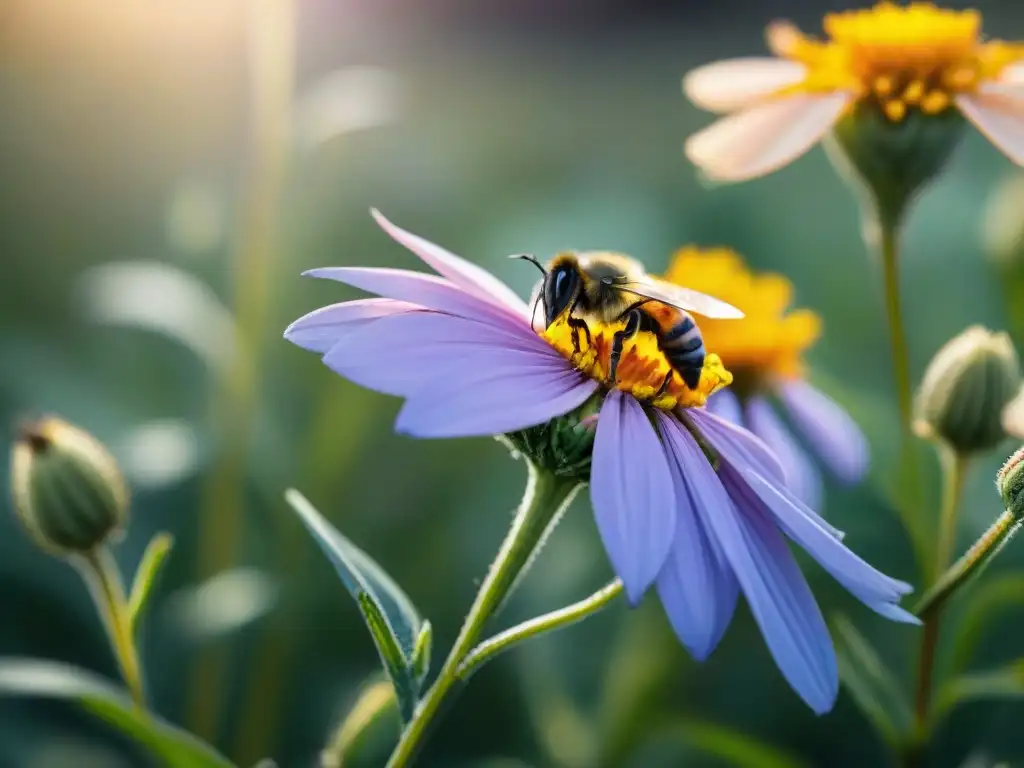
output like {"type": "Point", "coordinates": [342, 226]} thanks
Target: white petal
{"type": "Point", "coordinates": [1002, 89]}
{"type": "Point", "coordinates": [1000, 119]}
{"type": "Point", "coordinates": [725, 86]}
{"type": "Point", "coordinates": [1013, 74]}
{"type": "Point", "coordinates": [766, 137]}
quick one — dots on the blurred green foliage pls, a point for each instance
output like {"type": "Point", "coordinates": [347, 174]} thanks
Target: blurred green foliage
{"type": "Point", "coordinates": [127, 160]}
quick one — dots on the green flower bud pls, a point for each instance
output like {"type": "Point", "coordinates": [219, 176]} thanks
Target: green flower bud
{"type": "Point", "coordinates": [1010, 482]}
{"type": "Point", "coordinates": [68, 490]}
{"type": "Point", "coordinates": [965, 390]}
{"type": "Point", "coordinates": [895, 160]}
{"type": "Point", "coordinates": [563, 446]}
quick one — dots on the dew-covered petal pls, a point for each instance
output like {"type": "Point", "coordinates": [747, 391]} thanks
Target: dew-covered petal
{"type": "Point", "coordinates": [401, 354]}
{"type": "Point", "coordinates": [801, 475]}
{"type": "Point", "coordinates": [742, 449]}
{"type": "Point", "coordinates": [696, 585]}
{"type": "Point", "coordinates": [764, 137]}
{"type": "Point", "coordinates": [321, 329]}
{"type": "Point", "coordinates": [777, 592]}
{"type": "Point", "coordinates": [725, 405]}
{"type": "Point", "coordinates": [1000, 120]}
{"type": "Point", "coordinates": [631, 490]}
{"type": "Point", "coordinates": [491, 400]}
{"type": "Point", "coordinates": [747, 444]}
{"type": "Point", "coordinates": [725, 86]}
{"type": "Point", "coordinates": [879, 592]}
{"type": "Point", "coordinates": [465, 274]}
{"type": "Point", "coordinates": [834, 436]}
{"type": "Point", "coordinates": [428, 291]}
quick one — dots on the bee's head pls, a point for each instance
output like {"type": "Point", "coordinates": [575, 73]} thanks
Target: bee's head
{"type": "Point", "coordinates": [562, 283]}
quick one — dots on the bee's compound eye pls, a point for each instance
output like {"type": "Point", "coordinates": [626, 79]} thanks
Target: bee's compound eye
{"type": "Point", "coordinates": [561, 289]}
{"type": "Point", "coordinates": [561, 285]}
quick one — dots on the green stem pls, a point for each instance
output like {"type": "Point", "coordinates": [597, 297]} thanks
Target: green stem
{"type": "Point", "coordinates": [894, 311]}
{"type": "Point", "coordinates": [954, 474]}
{"type": "Point", "coordinates": [104, 581]}
{"type": "Point", "coordinates": [563, 617]}
{"type": "Point", "coordinates": [954, 470]}
{"type": "Point", "coordinates": [546, 497]}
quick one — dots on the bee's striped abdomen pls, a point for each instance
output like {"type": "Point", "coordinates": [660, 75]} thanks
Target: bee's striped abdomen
{"type": "Point", "coordinates": [683, 345]}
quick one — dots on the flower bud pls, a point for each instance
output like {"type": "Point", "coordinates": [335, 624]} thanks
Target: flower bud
{"type": "Point", "coordinates": [1010, 482]}
{"type": "Point", "coordinates": [68, 491]}
{"type": "Point", "coordinates": [895, 160]}
{"type": "Point", "coordinates": [965, 390]}
{"type": "Point", "coordinates": [562, 446]}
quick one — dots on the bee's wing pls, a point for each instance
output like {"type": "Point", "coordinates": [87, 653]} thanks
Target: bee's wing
{"type": "Point", "coordinates": [680, 297]}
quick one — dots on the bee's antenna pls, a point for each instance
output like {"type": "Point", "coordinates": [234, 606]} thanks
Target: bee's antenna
{"type": "Point", "coordinates": [532, 259]}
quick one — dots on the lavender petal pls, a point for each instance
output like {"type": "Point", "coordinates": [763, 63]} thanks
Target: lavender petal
{"type": "Point", "coordinates": [802, 477]}
{"type": "Point", "coordinates": [835, 437]}
{"type": "Point", "coordinates": [743, 441]}
{"type": "Point", "coordinates": [501, 397]}
{"type": "Point", "coordinates": [741, 448]}
{"type": "Point", "coordinates": [428, 291]}
{"type": "Point", "coordinates": [779, 597]}
{"type": "Point", "coordinates": [321, 329]}
{"type": "Point", "coordinates": [467, 275]}
{"type": "Point", "coordinates": [632, 493]}
{"type": "Point", "coordinates": [696, 585]}
{"type": "Point", "coordinates": [725, 405]}
{"type": "Point", "coordinates": [872, 587]}
{"type": "Point", "coordinates": [401, 354]}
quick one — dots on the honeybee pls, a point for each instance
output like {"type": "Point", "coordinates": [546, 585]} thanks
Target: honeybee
{"type": "Point", "coordinates": [611, 287]}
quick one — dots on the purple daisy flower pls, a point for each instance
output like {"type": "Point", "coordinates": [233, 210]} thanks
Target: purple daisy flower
{"type": "Point", "coordinates": [461, 350]}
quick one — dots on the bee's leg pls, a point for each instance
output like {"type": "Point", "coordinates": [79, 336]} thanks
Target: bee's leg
{"type": "Point", "coordinates": [619, 338]}
{"type": "Point", "coordinates": [664, 385]}
{"type": "Point", "coordinates": [576, 324]}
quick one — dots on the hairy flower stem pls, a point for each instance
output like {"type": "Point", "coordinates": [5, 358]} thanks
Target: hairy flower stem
{"type": "Point", "coordinates": [546, 497]}
{"type": "Point", "coordinates": [104, 581]}
{"type": "Point", "coordinates": [954, 471]}
{"type": "Point", "coordinates": [563, 617]}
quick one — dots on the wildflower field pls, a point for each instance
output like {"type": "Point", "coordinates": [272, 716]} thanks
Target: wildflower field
{"type": "Point", "coordinates": [512, 385]}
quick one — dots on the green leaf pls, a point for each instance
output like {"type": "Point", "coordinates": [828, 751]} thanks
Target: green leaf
{"type": "Point", "coordinates": [988, 598]}
{"type": "Point", "coordinates": [145, 577]}
{"type": "Point", "coordinates": [48, 679]}
{"type": "Point", "coordinates": [390, 616]}
{"type": "Point", "coordinates": [873, 687]}
{"type": "Point", "coordinates": [1003, 683]}
{"type": "Point", "coordinates": [373, 719]}
{"type": "Point", "coordinates": [421, 653]}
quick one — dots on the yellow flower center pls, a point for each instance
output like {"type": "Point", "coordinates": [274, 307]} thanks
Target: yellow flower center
{"type": "Point", "coordinates": [642, 368]}
{"type": "Point", "coordinates": [769, 341]}
{"type": "Point", "coordinates": [907, 57]}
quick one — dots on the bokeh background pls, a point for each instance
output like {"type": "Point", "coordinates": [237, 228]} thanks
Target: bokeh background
{"type": "Point", "coordinates": [169, 169]}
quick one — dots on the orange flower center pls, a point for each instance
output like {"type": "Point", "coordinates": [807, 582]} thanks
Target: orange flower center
{"type": "Point", "coordinates": [907, 57]}
{"type": "Point", "coordinates": [643, 367]}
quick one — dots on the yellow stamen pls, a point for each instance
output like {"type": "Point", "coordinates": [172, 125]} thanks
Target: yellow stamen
{"type": "Point", "coordinates": [642, 367]}
{"type": "Point", "coordinates": [935, 102]}
{"type": "Point", "coordinates": [913, 92]}
{"type": "Point", "coordinates": [895, 110]}
{"type": "Point", "coordinates": [770, 340]}
{"type": "Point", "coordinates": [884, 85]}
{"type": "Point", "coordinates": [925, 54]}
